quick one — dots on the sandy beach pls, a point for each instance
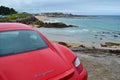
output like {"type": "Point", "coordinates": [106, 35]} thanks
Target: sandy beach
{"type": "Point", "coordinates": [101, 66]}
{"type": "Point", "coordinates": [42, 18]}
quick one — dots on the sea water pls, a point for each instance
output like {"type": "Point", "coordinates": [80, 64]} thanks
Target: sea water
{"type": "Point", "coordinates": [90, 30]}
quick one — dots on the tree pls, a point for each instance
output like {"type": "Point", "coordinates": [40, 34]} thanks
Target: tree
{"type": "Point", "coordinates": [6, 10]}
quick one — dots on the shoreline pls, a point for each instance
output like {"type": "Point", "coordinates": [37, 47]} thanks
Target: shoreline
{"type": "Point", "coordinates": [77, 47]}
{"type": "Point", "coordinates": [103, 46]}
{"type": "Point", "coordinates": [73, 44]}
{"type": "Point", "coordinates": [57, 36]}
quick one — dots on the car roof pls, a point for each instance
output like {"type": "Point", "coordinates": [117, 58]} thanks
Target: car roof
{"type": "Point", "coordinates": [14, 26]}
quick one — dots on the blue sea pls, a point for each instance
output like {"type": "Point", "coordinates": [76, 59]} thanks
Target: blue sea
{"type": "Point", "coordinates": [90, 30]}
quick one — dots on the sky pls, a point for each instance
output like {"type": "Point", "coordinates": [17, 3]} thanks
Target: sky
{"type": "Point", "coordinates": [83, 7]}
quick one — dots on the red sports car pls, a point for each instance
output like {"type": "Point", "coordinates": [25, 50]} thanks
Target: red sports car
{"type": "Point", "coordinates": [26, 54]}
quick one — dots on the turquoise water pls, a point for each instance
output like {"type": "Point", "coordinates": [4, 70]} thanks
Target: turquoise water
{"type": "Point", "coordinates": [97, 29]}
{"type": "Point", "coordinates": [100, 23]}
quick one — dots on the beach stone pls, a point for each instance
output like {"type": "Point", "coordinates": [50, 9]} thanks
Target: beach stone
{"type": "Point", "coordinates": [57, 25]}
{"type": "Point", "coordinates": [82, 46]}
{"type": "Point", "coordinates": [100, 38]}
{"type": "Point", "coordinates": [78, 49]}
{"type": "Point", "coordinates": [98, 55]}
{"type": "Point", "coordinates": [115, 35]}
{"type": "Point", "coordinates": [118, 33]}
{"type": "Point", "coordinates": [96, 35]}
{"type": "Point", "coordinates": [103, 45]}
{"type": "Point", "coordinates": [117, 52]}
{"type": "Point", "coordinates": [119, 56]}
{"type": "Point", "coordinates": [65, 44]}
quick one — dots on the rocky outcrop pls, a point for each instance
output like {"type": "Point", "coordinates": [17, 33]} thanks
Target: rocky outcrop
{"type": "Point", "coordinates": [32, 20]}
{"type": "Point", "coordinates": [27, 20]}
{"type": "Point", "coordinates": [56, 25]}
{"type": "Point", "coordinates": [64, 44]}
{"type": "Point", "coordinates": [110, 44]}
{"type": "Point", "coordinates": [91, 50]}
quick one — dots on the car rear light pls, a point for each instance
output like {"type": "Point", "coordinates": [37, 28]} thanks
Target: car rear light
{"type": "Point", "coordinates": [77, 62]}
{"type": "Point", "coordinates": [78, 65]}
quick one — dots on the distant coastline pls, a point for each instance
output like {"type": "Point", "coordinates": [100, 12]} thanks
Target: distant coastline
{"type": "Point", "coordinates": [60, 15]}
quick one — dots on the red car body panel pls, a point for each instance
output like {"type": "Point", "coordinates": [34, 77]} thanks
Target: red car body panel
{"type": "Point", "coordinates": [52, 63]}
{"type": "Point", "coordinates": [23, 65]}
{"type": "Point", "coordinates": [13, 26]}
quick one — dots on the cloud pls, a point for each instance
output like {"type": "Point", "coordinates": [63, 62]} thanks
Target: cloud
{"type": "Point", "coordinates": [83, 6]}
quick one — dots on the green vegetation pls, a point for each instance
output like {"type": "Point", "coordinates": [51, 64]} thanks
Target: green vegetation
{"type": "Point", "coordinates": [6, 10]}
{"type": "Point", "coordinates": [15, 16]}
{"type": "Point", "coordinates": [9, 14]}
